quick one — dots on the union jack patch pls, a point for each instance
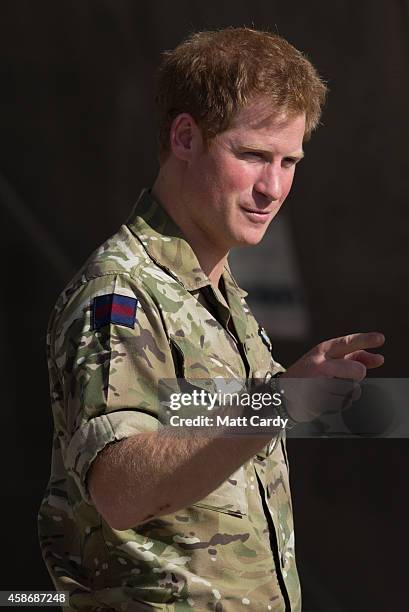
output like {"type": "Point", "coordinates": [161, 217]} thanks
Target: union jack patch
{"type": "Point", "coordinates": [113, 308]}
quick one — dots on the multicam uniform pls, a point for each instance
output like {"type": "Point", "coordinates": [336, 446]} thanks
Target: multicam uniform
{"type": "Point", "coordinates": [234, 549]}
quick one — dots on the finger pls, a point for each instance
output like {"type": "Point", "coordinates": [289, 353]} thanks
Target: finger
{"type": "Point", "coordinates": [335, 385]}
{"type": "Point", "coordinates": [344, 391]}
{"type": "Point", "coordinates": [311, 397]}
{"type": "Point", "coordinates": [343, 368]}
{"type": "Point", "coordinates": [340, 347]}
{"type": "Point", "coordinates": [333, 394]}
{"type": "Point", "coordinates": [352, 397]}
{"type": "Point", "coordinates": [369, 360]}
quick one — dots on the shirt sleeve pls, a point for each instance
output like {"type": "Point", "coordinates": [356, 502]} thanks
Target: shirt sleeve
{"type": "Point", "coordinates": [105, 371]}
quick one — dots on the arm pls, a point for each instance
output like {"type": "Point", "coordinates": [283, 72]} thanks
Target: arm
{"type": "Point", "coordinates": [150, 474]}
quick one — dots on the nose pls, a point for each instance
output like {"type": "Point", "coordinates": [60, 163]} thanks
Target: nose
{"type": "Point", "coordinates": [269, 183]}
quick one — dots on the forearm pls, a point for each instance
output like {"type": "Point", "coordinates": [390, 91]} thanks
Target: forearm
{"type": "Point", "coordinates": [150, 474]}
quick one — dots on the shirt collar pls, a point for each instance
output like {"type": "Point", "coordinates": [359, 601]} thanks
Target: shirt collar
{"type": "Point", "coordinates": [164, 242]}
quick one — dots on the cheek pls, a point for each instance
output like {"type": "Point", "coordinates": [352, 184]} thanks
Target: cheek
{"type": "Point", "coordinates": [239, 177]}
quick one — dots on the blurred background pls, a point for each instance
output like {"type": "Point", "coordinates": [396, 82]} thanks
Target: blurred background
{"type": "Point", "coordinates": [78, 142]}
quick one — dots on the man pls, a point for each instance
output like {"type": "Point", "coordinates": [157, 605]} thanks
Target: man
{"type": "Point", "coordinates": [132, 519]}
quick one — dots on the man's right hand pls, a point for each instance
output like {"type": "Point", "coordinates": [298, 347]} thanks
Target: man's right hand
{"type": "Point", "coordinates": [327, 377]}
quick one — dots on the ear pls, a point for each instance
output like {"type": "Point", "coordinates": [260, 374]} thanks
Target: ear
{"type": "Point", "coordinates": [185, 137]}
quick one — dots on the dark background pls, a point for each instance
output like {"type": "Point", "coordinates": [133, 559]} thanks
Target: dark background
{"type": "Point", "coordinates": [78, 143]}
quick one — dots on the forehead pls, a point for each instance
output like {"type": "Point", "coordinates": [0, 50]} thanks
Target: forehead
{"type": "Point", "coordinates": [259, 116]}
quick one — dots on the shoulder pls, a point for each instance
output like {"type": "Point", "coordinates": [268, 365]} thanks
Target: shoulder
{"type": "Point", "coordinates": [115, 273]}
{"type": "Point", "coordinates": [121, 264]}
{"type": "Point", "coordinates": [120, 276]}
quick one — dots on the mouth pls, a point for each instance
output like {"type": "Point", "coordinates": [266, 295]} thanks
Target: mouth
{"type": "Point", "coordinates": [257, 215]}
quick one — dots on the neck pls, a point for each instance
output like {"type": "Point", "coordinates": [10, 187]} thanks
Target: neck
{"type": "Point", "coordinates": [168, 192]}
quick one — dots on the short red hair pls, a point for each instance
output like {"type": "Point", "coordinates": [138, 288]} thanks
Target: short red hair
{"type": "Point", "coordinates": [213, 75]}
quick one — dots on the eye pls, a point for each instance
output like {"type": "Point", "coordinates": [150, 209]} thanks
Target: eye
{"type": "Point", "coordinates": [254, 155]}
{"type": "Point", "coordinates": [288, 162]}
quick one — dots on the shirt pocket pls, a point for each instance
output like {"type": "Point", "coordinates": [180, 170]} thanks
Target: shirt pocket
{"type": "Point", "coordinates": [207, 358]}
{"type": "Point", "coordinates": [201, 369]}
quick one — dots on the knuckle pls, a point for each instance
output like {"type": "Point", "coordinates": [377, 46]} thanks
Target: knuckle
{"type": "Point", "coordinates": [347, 340]}
{"type": "Point", "coordinates": [318, 352]}
{"type": "Point", "coordinates": [316, 364]}
{"type": "Point", "coordinates": [360, 370]}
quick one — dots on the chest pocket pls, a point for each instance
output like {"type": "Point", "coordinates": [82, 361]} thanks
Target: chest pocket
{"type": "Point", "coordinates": [202, 364]}
{"type": "Point", "coordinates": [208, 356]}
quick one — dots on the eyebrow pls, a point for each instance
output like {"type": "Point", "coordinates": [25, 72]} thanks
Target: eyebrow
{"type": "Point", "coordinates": [298, 156]}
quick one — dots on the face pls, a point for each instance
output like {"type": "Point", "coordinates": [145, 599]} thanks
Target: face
{"type": "Point", "coordinates": [237, 184]}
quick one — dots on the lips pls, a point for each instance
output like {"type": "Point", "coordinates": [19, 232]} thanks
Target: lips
{"type": "Point", "coordinates": [258, 212]}
{"type": "Point", "coordinates": [259, 216]}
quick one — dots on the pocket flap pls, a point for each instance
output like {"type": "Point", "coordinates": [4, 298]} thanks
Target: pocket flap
{"type": "Point", "coordinates": [229, 498]}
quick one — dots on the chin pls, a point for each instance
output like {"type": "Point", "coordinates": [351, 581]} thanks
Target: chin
{"type": "Point", "coordinates": [251, 238]}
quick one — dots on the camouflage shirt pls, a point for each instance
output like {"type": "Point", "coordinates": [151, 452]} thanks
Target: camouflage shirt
{"type": "Point", "coordinates": [234, 549]}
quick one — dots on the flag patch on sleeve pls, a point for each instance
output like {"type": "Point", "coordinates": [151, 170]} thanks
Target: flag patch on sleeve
{"type": "Point", "coordinates": [113, 308]}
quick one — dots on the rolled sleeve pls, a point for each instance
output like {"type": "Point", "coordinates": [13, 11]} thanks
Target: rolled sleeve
{"type": "Point", "coordinates": [92, 437]}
